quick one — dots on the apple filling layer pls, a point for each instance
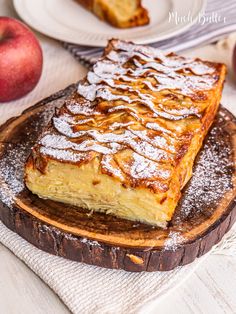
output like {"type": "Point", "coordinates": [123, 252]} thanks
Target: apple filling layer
{"type": "Point", "coordinates": [125, 142]}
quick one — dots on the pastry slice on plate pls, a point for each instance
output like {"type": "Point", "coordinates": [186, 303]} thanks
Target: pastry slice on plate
{"type": "Point", "coordinates": [119, 13]}
{"type": "Point", "coordinates": [125, 142]}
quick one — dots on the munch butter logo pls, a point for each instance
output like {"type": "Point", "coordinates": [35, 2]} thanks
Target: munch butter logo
{"type": "Point", "coordinates": [202, 18]}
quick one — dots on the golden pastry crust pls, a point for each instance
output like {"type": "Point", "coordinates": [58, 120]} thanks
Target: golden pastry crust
{"type": "Point", "coordinates": [118, 13]}
{"type": "Point", "coordinates": [133, 128]}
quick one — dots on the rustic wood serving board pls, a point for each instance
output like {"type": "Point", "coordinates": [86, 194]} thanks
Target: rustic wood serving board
{"type": "Point", "coordinates": [205, 213]}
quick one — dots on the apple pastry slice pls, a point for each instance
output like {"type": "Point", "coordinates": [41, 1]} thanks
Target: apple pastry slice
{"type": "Point", "coordinates": [118, 13]}
{"type": "Point", "coordinates": [125, 142]}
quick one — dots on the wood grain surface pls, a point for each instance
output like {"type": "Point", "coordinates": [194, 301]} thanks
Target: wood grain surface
{"type": "Point", "coordinates": [205, 213]}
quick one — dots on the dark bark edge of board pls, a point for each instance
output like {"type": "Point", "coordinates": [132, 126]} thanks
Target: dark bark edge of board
{"type": "Point", "coordinates": [56, 242]}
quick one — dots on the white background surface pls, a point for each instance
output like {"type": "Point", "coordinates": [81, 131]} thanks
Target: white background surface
{"type": "Point", "coordinates": [211, 289]}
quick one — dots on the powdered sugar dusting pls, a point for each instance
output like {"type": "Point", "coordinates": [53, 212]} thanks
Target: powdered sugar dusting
{"type": "Point", "coordinates": [134, 98]}
{"type": "Point", "coordinates": [211, 179]}
{"type": "Point", "coordinates": [142, 168]}
{"type": "Point", "coordinates": [83, 109]}
{"type": "Point", "coordinates": [117, 125]}
{"type": "Point", "coordinates": [90, 242]}
{"type": "Point", "coordinates": [60, 144]}
{"type": "Point", "coordinates": [174, 240]}
{"type": "Point", "coordinates": [104, 143]}
{"type": "Point", "coordinates": [217, 168]}
{"type": "Point", "coordinates": [13, 161]}
{"type": "Point", "coordinates": [169, 72]}
{"type": "Point", "coordinates": [63, 155]}
{"type": "Point", "coordinates": [12, 173]}
{"type": "Point", "coordinates": [106, 163]}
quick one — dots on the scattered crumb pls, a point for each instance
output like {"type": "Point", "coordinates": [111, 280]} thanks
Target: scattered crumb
{"type": "Point", "coordinates": [135, 259]}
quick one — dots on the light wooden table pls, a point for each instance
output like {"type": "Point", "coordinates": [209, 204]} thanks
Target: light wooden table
{"type": "Point", "coordinates": [211, 289]}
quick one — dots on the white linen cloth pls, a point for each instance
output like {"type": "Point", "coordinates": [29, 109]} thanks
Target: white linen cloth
{"type": "Point", "coordinates": [92, 290]}
{"type": "Point", "coordinates": [87, 289]}
{"type": "Point", "coordinates": [213, 23]}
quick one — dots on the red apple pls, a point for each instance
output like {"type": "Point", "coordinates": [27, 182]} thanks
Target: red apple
{"type": "Point", "coordinates": [21, 59]}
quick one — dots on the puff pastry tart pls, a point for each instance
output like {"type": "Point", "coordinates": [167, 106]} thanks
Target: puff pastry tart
{"type": "Point", "coordinates": [125, 142]}
{"type": "Point", "coordinates": [118, 13]}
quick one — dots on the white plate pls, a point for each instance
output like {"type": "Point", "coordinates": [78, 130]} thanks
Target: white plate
{"type": "Point", "coordinates": [67, 21]}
